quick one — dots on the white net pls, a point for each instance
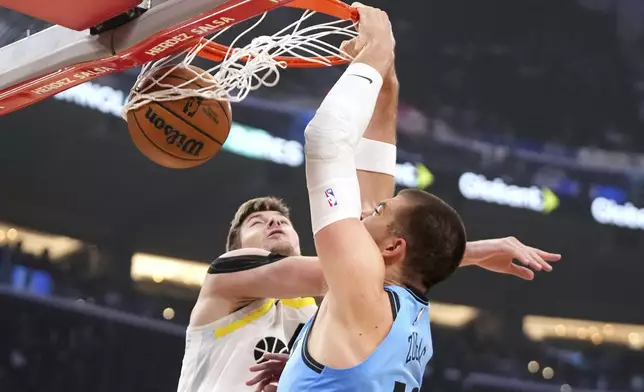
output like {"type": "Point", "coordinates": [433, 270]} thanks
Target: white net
{"type": "Point", "coordinates": [243, 69]}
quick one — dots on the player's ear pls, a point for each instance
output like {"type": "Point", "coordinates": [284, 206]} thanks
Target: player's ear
{"type": "Point", "coordinates": [394, 250]}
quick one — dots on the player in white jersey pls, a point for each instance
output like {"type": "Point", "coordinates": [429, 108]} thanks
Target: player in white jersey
{"type": "Point", "coordinates": [255, 297]}
{"type": "Point", "coordinates": [253, 300]}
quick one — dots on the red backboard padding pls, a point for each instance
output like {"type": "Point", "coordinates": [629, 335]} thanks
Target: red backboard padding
{"type": "Point", "coordinates": [74, 14]}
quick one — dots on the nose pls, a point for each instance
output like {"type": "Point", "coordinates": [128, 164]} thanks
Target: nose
{"type": "Point", "coordinates": [274, 222]}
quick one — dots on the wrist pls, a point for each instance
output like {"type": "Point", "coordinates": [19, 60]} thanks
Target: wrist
{"type": "Point", "coordinates": [391, 80]}
{"type": "Point", "coordinates": [469, 257]}
{"type": "Point", "coordinates": [378, 56]}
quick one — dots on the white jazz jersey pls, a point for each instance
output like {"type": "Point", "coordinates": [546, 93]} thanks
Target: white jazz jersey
{"type": "Point", "coordinates": [218, 355]}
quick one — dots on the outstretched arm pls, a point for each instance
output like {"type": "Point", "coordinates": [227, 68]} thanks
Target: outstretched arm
{"type": "Point", "coordinates": [300, 276]}
{"type": "Point", "coordinates": [247, 274]}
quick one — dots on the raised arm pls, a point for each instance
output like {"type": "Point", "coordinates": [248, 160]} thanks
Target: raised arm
{"type": "Point", "coordinates": [376, 154]}
{"type": "Point", "coordinates": [352, 263]}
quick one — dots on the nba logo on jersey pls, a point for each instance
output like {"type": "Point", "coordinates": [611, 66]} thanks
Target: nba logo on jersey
{"type": "Point", "coordinates": [330, 197]}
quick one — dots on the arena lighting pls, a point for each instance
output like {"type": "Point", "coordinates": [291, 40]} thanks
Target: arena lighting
{"type": "Point", "coordinates": [548, 373]}
{"type": "Point", "coordinates": [168, 313]}
{"type": "Point", "coordinates": [533, 366]}
{"type": "Point", "coordinates": [608, 212]}
{"type": "Point", "coordinates": [12, 234]}
{"type": "Point", "coordinates": [453, 316]}
{"type": "Point", "coordinates": [35, 242]}
{"type": "Point", "coordinates": [160, 268]}
{"type": "Point", "coordinates": [539, 328]}
{"type": "Point", "coordinates": [476, 187]}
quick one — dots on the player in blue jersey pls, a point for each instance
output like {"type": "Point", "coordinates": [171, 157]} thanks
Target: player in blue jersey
{"type": "Point", "coordinates": [375, 162]}
{"type": "Point", "coordinates": [371, 332]}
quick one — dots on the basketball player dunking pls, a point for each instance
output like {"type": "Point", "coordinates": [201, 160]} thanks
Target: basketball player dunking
{"type": "Point", "coordinates": [371, 332]}
{"type": "Point", "coordinates": [256, 297]}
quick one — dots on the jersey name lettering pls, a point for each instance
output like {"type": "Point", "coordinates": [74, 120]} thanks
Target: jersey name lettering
{"type": "Point", "coordinates": [417, 348]}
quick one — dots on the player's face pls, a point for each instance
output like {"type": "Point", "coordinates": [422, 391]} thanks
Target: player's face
{"type": "Point", "coordinates": [271, 231]}
{"type": "Point", "coordinates": [380, 221]}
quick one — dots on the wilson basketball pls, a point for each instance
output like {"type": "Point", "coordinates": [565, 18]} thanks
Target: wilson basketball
{"type": "Point", "coordinates": [182, 133]}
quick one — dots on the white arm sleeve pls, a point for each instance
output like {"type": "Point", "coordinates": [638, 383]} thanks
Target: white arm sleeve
{"type": "Point", "coordinates": [376, 156]}
{"type": "Point", "coordinates": [332, 137]}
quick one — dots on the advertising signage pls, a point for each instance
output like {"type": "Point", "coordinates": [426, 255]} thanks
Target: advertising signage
{"type": "Point", "coordinates": [259, 144]}
{"type": "Point", "coordinates": [609, 212]}
{"type": "Point", "coordinates": [476, 187]}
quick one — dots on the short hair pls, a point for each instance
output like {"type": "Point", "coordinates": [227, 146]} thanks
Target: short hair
{"type": "Point", "coordinates": [435, 237]}
{"type": "Point", "coordinates": [260, 204]}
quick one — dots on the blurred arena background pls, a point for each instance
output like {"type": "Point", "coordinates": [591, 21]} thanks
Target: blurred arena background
{"type": "Point", "coordinates": [526, 115]}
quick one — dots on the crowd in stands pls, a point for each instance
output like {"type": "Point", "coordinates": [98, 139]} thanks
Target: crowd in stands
{"type": "Point", "coordinates": [54, 342]}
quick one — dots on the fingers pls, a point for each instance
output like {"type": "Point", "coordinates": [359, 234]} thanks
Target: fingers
{"type": "Point", "coordinates": [523, 255]}
{"type": "Point", "coordinates": [371, 16]}
{"type": "Point", "coordinates": [273, 365]}
{"type": "Point", "coordinates": [537, 263]}
{"type": "Point", "coordinates": [352, 47]}
{"type": "Point", "coordinates": [527, 255]}
{"type": "Point", "coordinates": [547, 256]}
{"type": "Point", "coordinates": [268, 371]}
{"type": "Point", "coordinates": [521, 272]}
{"type": "Point", "coordinates": [259, 367]}
{"type": "Point", "coordinates": [263, 375]}
{"type": "Point", "coordinates": [276, 357]}
{"type": "Point", "coordinates": [262, 385]}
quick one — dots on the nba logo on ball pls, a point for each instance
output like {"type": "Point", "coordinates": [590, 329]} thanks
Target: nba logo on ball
{"type": "Point", "coordinates": [330, 197]}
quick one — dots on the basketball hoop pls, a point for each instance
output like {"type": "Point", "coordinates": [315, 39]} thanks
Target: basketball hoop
{"type": "Point", "coordinates": [241, 70]}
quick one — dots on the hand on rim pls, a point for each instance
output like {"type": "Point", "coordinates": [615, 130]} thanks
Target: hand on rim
{"type": "Point", "coordinates": [375, 42]}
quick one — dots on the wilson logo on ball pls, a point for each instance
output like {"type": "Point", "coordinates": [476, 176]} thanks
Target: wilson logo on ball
{"type": "Point", "coordinates": [174, 136]}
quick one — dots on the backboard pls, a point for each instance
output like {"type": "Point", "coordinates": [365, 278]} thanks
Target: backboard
{"type": "Point", "coordinates": [59, 58]}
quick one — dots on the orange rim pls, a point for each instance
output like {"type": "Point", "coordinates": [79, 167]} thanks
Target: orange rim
{"type": "Point", "coordinates": [214, 51]}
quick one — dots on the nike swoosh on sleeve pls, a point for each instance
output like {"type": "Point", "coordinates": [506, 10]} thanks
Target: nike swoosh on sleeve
{"type": "Point", "coordinates": [363, 77]}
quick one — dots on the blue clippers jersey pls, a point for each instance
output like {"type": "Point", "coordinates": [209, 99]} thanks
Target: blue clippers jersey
{"type": "Point", "coordinates": [396, 365]}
